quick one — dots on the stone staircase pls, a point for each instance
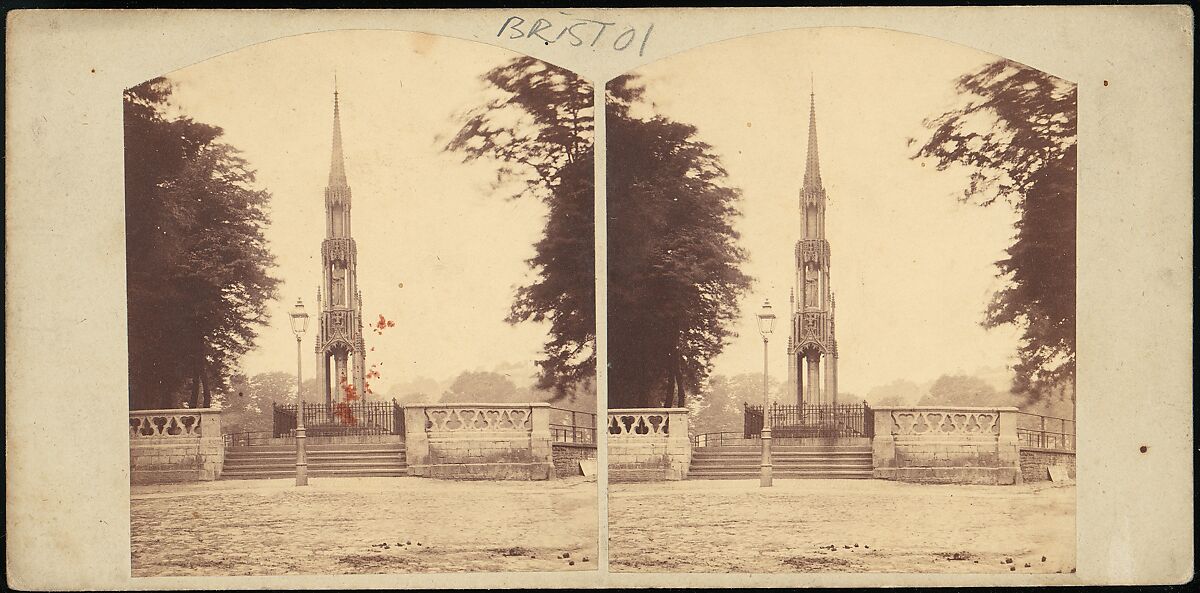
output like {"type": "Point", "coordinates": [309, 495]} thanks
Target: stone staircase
{"type": "Point", "coordinates": [742, 461]}
{"type": "Point", "coordinates": [342, 460]}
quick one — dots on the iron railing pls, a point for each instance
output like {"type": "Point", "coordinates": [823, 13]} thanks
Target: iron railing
{"type": "Point", "coordinates": [716, 439]}
{"type": "Point", "coordinates": [570, 426]}
{"type": "Point", "coordinates": [341, 418]}
{"type": "Point", "coordinates": [247, 438]}
{"type": "Point", "coordinates": [1045, 432]}
{"type": "Point", "coordinates": [811, 420]}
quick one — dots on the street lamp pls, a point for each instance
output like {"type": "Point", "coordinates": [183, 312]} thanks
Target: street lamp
{"type": "Point", "coordinates": [299, 325]}
{"type": "Point", "coordinates": [766, 324]}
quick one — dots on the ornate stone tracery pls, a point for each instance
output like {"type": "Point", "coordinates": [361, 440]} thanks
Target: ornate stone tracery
{"type": "Point", "coordinates": [812, 340]}
{"type": "Point", "coordinates": [948, 421]}
{"type": "Point", "coordinates": [453, 419]}
{"type": "Point", "coordinates": [639, 424]}
{"type": "Point", "coordinates": [175, 423]}
{"type": "Point", "coordinates": [340, 348]}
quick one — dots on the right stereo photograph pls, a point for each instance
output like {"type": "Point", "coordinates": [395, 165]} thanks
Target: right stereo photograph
{"type": "Point", "coordinates": [841, 309]}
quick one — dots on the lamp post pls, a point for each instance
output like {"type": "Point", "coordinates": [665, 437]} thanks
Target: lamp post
{"type": "Point", "coordinates": [766, 324]}
{"type": "Point", "coordinates": [299, 325]}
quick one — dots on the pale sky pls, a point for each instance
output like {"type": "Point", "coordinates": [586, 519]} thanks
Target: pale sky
{"type": "Point", "coordinates": [912, 268]}
{"type": "Point", "coordinates": [439, 251]}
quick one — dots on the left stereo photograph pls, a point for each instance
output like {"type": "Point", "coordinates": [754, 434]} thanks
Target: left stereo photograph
{"type": "Point", "coordinates": [361, 311]}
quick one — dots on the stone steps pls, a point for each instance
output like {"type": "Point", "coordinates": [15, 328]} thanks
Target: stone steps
{"type": "Point", "coordinates": [325, 460]}
{"type": "Point", "coordinates": [778, 473]}
{"type": "Point", "coordinates": [753, 465]}
{"type": "Point", "coordinates": [778, 455]}
{"type": "Point", "coordinates": [314, 472]}
{"type": "Point", "coordinates": [311, 448]}
{"type": "Point", "coordinates": [732, 462]}
{"type": "Point", "coordinates": [725, 449]}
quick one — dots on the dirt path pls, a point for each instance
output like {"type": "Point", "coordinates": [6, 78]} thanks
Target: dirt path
{"type": "Point", "coordinates": [336, 526]}
{"type": "Point", "coordinates": [872, 526]}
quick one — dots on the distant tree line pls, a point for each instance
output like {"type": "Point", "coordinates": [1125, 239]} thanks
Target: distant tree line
{"type": "Point", "coordinates": [719, 406]}
{"type": "Point", "coordinates": [246, 405]}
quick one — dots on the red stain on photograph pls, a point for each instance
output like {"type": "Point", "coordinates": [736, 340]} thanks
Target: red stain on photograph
{"type": "Point", "coordinates": [342, 410]}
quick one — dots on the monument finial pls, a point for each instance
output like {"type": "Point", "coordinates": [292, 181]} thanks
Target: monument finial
{"type": "Point", "coordinates": [337, 167]}
{"type": "Point", "coordinates": [812, 168]}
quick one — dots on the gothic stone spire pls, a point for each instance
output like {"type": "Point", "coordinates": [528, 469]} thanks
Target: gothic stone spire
{"type": "Point", "coordinates": [341, 355]}
{"type": "Point", "coordinates": [337, 167]}
{"type": "Point", "coordinates": [812, 336]}
{"type": "Point", "coordinates": [812, 168]}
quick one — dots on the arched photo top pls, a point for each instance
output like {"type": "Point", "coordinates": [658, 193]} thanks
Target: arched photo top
{"type": "Point", "coordinates": [375, 171]}
{"type": "Point", "coordinates": [921, 164]}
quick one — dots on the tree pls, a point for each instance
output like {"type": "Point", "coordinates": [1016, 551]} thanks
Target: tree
{"type": "Point", "coordinates": [966, 390]}
{"type": "Point", "coordinates": [897, 393]}
{"type": "Point", "coordinates": [889, 400]}
{"type": "Point", "coordinates": [196, 259]}
{"type": "Point", "coordinates": [247, 405]}
{"type": "Point", "coordinates": [720, 405]}
{"type": "Point", "coordinates": [540, 125]}
{"type": "Point", "coordinates": [674, 279]}
{"type": "Point", "coordinates": [482, 386]}
{"type": "Point", "coordinates": [1015, 130]}
{"type": "Point", "coordinates": [417, 391]}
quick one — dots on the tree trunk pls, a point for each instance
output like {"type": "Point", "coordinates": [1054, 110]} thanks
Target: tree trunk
{"type": "Point", "coordinates": [669, 391]}
{"type": "Point", "coordinates": [164, 397]}
{"type": "Point", "coordinates": [207, 393]}
{"type": "Point", "coordinates": [679, 388]}
{"type": "Point", "coordinates": [195, 396]}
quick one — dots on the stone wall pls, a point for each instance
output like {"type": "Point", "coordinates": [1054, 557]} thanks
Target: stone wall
{"type": "Point", "coordinates": [479, 441]}
{"type": "Point", "coordinates": [175, 446]}
{"type": "Point", "coordinates": [1034, 463]}
{"type": "Point", "coordinates": [567, 456]}
{"type": "Point", "coordinates": [648, 444]}
{"type": "Point", "coordinates": [946, 445]}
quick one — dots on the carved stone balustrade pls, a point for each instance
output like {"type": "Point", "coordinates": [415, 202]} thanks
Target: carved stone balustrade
{"type": "Point", "coordinates": [479, 441]}
{"type": "Point", "coordinates": [179, 445]}
{"type": "Point", "coordinates": [946, 445]}
{"type": "Point", "coordinates": [648, 444]}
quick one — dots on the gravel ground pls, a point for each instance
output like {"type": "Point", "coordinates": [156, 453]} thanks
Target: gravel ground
{"type": "Point", "coordinates": [337, 526]}
{"type": "Point", "coordinates": [840, 526]}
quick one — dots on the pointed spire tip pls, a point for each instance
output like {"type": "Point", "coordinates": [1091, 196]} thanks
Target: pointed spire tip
{"type": "Point", "coordinates": [337, 169]}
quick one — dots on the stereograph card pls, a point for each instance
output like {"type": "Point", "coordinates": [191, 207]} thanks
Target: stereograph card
{"type": "Point", "coordinates": [779, 297]}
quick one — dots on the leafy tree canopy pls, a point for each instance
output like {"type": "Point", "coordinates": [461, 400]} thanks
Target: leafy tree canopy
{"type": "Point", "coordinates": [539, 127]}
{"type": "Point", "coordinates": [196, 259]}
{"type": "Point", "coordinates": [246, 406]}
{"type": "Point", "coordinates": [1015, 131]}
{"type": "Point", "coordinates": [674, 277]}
